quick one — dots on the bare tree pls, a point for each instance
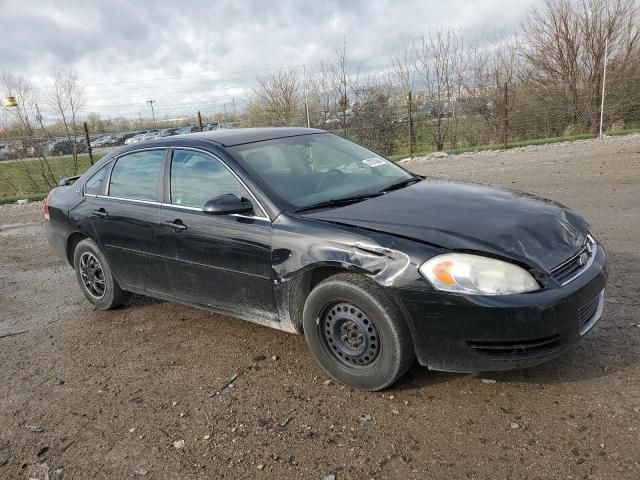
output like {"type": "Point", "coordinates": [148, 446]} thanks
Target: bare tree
{"type": "Point", "coordinates": [490, 67]}
{"type": "Point", "coordinates": [439, 62]}
{"type": "Point", "coordinates": [342, 76]}
{"type": "Point", "coordinates": [322, 89]}
{"type": "Point", "coordinates": [23, 116]}
{"type": "Point", "coordinates": [276, 100]}
{"type": "Point", "coordinates": [565, 43]}
{"type": "Point", "coordinates": [67, 99]}
{"type": "Point", "coordinates": [403, 66]}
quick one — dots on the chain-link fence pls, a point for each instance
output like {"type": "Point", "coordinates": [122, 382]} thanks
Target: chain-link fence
{"type": "Point", "coordinates": [517, 113]}
{"type": "Point", "coordinates": [393, 123]}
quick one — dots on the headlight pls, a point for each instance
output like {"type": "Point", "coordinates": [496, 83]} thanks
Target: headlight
{"type": "Point", "coordinates": [473, 274]}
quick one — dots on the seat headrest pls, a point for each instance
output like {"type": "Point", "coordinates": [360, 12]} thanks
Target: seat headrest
{"type": "Point", "coordinates": [259, 161]}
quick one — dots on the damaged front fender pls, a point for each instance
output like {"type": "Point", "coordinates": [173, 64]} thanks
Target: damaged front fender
{"type": "Point", "coordinates": [300, 253]}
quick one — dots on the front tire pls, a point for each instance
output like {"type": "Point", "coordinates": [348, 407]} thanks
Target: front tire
{"type": "Point", "coordinates": [356, 332]}
{"type": "Point", "coordinates": [95, 276]}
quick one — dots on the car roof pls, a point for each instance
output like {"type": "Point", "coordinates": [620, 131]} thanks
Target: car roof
{"type": "Point", "coordinates": [238, 136]}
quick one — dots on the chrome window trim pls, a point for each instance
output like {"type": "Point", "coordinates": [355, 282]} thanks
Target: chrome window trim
{"type": "Point", "coordinates": [134, 200]}
{"type": "Point", "coordinates": [170, 205]}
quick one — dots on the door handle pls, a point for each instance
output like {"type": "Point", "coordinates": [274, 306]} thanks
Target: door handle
{"type": "Point", "coordinates": [101, 212]}
{"type": "Point", "coordinates": [176, 225]}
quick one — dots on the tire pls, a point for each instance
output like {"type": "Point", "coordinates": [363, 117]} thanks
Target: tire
{"type": "Point", "coordinates": [95, 277]}
{"type": "Point", "coordinates": [356, 332]}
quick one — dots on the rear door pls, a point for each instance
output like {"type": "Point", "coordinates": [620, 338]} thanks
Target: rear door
{"type": "Point", "coordinates": [126, 216]}
{"type": "Point", "coordinates": [223, 261]}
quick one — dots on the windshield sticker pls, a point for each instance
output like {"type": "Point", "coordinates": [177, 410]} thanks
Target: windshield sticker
{"type": "Point", "coordinates": [373, 162]}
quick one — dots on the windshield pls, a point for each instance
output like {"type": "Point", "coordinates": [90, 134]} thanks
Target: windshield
{"type": "Point", "coordinates": [309, 169]}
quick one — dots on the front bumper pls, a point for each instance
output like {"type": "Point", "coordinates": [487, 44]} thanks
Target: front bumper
{"type": "Point", "coordinates": [486, 333]}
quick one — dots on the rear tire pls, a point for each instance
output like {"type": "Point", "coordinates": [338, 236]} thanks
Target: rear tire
{"type": "Point", "coordinates": [95, 276]}
{"type": "Point", "coordinates": [356, 332]}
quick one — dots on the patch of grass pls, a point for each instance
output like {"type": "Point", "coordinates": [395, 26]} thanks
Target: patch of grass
{"type": "Point", "coordinates": [14, 182]}
{"type": "Point", "coordinates": [33, 197]}
{"type": "Point", "coordinates": [629, 131]}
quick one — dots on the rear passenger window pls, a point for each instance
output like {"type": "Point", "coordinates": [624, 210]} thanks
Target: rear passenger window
{"type": "Point", "coordinates": [93, 186]}
{"type": "Point", "coordinates": [135, 176]}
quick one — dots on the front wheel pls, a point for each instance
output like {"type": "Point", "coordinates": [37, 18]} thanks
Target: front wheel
{"type": "Point", "coordinates": [95, 277]}
{"type": "Point", "coordinates": [356, 332]}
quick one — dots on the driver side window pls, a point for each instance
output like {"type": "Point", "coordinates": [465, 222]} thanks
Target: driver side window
{"type": "Point", "coordinates": [196, 178]}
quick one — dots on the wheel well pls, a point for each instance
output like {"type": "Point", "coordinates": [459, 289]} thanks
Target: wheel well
{"type": "Point", "coordinates": [302, 286]}
{"type": "Point", "coordinates": [72, 241]}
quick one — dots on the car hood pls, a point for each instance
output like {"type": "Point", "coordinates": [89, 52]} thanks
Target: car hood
{"type": "Point", "coordinates": [471, 217]}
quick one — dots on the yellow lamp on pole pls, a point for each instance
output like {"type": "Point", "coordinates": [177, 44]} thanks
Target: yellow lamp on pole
{"type": "Point", "coordinates": [10, 102]}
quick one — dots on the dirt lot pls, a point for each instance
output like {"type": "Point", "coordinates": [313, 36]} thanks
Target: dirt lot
{"type": "Point", "coordinates": [86, 394]}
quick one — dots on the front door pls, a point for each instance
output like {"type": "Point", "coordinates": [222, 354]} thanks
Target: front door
{"type": "Point", "coordinates": [126, 220]}
{"type": "Point", "coordinates": [222, 261]}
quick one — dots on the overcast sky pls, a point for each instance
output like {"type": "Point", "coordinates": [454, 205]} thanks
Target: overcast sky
{"type": "Point", "coordinates": [190, 55]}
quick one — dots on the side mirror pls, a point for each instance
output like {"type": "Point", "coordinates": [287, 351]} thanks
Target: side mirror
{"type": "Point", "coordinates": [227, 204]}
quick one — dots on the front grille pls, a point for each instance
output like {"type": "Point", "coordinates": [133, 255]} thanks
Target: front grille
{"type": "Point", "coordinates": [572, 268]}
{"type": "Point", "coordinates": [589, 314]}
{"type": "Point", "coordinates": [516, 348]}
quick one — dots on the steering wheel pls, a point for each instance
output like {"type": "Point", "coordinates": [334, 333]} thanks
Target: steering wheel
{"type": "Point", "coordinates": [327, 176]}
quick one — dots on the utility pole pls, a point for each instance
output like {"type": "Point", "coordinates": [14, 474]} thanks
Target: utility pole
{"type": "Point", "coordinates": [153, 114]}
{"type": "Point", "coordinates": [604, 81]}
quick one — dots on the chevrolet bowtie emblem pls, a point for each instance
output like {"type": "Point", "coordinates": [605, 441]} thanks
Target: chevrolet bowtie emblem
{"type": "Point", "coordinates": [582, 259]}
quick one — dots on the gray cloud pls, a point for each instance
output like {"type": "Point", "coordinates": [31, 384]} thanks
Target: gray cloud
{"type": "Point", "coordinates": [186, 53]}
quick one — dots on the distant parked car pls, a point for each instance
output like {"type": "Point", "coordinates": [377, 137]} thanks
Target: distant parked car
{"type": "Point", "coordinates": [167, 132]}
{"type": "Point", "coordinates": [121, 138]}
{"type": "Point", "coordinates": [64, 147]}
{"type": "Point", "coordinates": [185, 130]}
{"type": "Point", "coordinates": [104, 141]}
{"type": "Point", "coordinates": [137, 137]}
{"type": "Point", "coordinates": [6, 153]}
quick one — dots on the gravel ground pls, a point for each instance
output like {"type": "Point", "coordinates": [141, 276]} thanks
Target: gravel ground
{"type": "Point", "coordinates": [140, 391]}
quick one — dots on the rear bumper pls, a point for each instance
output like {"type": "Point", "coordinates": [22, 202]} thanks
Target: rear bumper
{"type": "Point", "coordinates": [479, 333]}
{"type": "Point", "coordinates": [57, 239]}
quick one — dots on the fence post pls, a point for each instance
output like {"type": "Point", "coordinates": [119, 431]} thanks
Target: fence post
{"type": "Point", "coordinates": [410, 125]}
{"type": "Point", "coordinates": [505, 119]}
{"type": "Point", "coordinates": [604, 82]}
{"type": "Point", "coordinates": [199, 120]}
{"type": "Point", "coordinates": [86, 136]}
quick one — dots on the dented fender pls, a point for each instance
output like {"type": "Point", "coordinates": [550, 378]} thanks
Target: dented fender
{"type": "Point", "coordinates": [298, 252]}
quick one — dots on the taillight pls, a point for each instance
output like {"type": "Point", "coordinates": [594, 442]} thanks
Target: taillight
{"type": "Point", "coordinates": [46, 207]}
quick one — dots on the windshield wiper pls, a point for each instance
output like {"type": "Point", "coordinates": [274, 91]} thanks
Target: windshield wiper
{"type": "Point", "coordinates": [335, 202]}
{"type": "Point", "coordinates": [401, 184]}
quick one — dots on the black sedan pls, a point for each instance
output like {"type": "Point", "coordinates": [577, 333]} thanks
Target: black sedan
{"type": "Point", "coordinates": [304, 231]}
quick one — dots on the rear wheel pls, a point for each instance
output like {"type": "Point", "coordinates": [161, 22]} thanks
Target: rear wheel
{"type": "Point", "coordinates": [95, 277]}
{"type": "Point", "coordinates": [356, 332]}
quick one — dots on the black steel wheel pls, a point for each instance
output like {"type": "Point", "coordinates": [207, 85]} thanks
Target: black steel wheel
{"type": "Point", "coordinates": [356, 332]}
{"type": "Point", "coordinates": [349, 335]}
